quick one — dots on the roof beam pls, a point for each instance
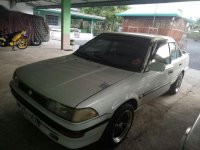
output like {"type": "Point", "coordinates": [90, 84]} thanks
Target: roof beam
{"type": "Point", "coordinates": [14, 2]}
{"type": "Point", "coordinates": [49, 6]}
{"type": "Point", "coordinates": [86, 3]}
{"type": "Point", "coordinates": [124, 2]}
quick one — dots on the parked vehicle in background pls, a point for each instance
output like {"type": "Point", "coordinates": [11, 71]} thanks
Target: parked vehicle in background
{"type": "Point", "coordinates": [18, 39]}
{"type": "Point", "coordinates": [92, 94]}
{"type": "Point", "coordinates": [190, 140]}
{"type": "Point", "coordinates": [76, 37]}
{"type": "Point", "coordinates": [37, 31]}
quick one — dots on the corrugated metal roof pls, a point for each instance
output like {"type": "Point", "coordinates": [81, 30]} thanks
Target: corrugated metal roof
{"type": "Point", "coordinates": [152, 10]}
{"type": "Point", "coordinates": [76, 14]}
{"type": "Point", "coordinates": [92, 3]}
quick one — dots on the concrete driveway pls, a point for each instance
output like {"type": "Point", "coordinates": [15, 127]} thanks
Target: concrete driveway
{"type": "Point", "coordinates": [158, 125]}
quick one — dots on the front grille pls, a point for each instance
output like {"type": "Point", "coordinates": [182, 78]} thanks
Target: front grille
{"type": "Point", "coordinates": [42, 100]}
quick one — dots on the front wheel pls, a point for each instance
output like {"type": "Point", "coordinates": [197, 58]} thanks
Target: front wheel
{"type": "Point", "coordinates": [119, 126]}
{"type": "Point", "coordinates": [22, 43]}
{"type": "Point", "coordinates": [176, 85]}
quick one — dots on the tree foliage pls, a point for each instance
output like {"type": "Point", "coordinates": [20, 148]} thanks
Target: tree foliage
{"type": "Point", "coordinates": [195, 25]}
{"type": "Point", "coordinates": [112, 21]}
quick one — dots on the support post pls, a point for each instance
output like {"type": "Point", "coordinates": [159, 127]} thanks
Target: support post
{"type": "Point", "coordinates": [65, 24]}
{"type": "Point", "coordinates": [92, 26]}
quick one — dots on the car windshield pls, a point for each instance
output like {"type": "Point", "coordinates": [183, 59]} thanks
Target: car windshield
{"type": "Point", "coordinates": [120, 51]}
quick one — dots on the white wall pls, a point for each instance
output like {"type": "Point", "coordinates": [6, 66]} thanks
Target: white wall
{"type": "Point", "coordinates": [21, 7]}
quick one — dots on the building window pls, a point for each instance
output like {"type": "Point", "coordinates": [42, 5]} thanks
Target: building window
{"type": "Point", "coordinates": [52, 20]}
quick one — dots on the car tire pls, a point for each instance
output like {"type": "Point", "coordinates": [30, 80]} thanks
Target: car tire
{"type": "Point", "coordinates": [36, 42]}
{"type": "Point", "coordinates": [176, 85]}
{"type": "Point", "coordinates": [119, 126]}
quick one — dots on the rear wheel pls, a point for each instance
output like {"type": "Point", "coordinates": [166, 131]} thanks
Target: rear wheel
{"type": "Point", "coordinates": [36, 42]}
{"type": "Point", "coordinates": [119, 126]}
{"type": "Point", "coordinates": [176, 85]}
{"type": "Point", "coordinates": [22, 43]}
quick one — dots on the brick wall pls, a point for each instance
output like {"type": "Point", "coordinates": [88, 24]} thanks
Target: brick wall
{"type": "Point", "coordinates": [169, 26]}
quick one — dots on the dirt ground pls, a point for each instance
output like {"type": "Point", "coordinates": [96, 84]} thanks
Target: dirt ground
{"type": "Point", "coordinates": [158, 125]}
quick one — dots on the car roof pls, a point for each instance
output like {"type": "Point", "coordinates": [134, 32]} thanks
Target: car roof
{"type": "Point", "coordinates": [143, 35]}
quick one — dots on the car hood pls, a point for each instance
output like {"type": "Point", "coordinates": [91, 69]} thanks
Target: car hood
{"type": "Point", "coordinates": [69, 80]}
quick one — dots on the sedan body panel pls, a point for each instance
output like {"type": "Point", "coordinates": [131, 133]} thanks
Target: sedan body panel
{"type": "Point", "coordinates": [58, 78]}
{"type": "Point", "coordinates": [191, 141]}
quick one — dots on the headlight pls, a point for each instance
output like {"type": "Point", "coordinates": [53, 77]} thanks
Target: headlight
{"type": "Point", "coordinates": [83, 114]}
{"type": "Point", "coordinates": [71, 114]}
{"type": "Point", "coordinates": [16, 79]}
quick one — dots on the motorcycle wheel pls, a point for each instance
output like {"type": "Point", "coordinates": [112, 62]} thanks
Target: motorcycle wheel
{"type": "Point", "coordinates": [2, 42]}
{"type": "Point", "coordinates": [22, 43]}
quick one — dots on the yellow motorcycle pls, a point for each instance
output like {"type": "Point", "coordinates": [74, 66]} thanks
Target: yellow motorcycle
{"type": "Point", "coordinates": [18, 39]}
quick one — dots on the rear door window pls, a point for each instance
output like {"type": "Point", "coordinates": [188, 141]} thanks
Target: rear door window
{"type": "Point", "coordinates": [162, 54]}
{"type": "Point", "coordinates": [175, 52]}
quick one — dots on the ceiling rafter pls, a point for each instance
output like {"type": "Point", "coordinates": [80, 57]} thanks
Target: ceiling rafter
{"type": "Point", "coordinates": [90, 3]}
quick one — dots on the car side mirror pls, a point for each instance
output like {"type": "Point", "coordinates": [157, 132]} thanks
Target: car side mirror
{"type": "Point", "coordinates": [157, 66]}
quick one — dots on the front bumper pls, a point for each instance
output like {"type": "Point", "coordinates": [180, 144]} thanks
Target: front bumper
{"type": "Point", "coordinates": [67, 134]}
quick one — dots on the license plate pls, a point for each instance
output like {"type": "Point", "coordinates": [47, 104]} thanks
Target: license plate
{"type": "Point", "coordinates": [29, 116]}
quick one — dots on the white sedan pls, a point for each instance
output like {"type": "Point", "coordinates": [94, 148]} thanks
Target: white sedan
{"type": "Point", "coordinates": [92, 94]}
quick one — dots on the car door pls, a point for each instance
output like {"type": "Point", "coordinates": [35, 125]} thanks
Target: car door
{"type": "Point", "coordinates": [157, 82]}
{"type": "Point", "coordinates": [176, 60]}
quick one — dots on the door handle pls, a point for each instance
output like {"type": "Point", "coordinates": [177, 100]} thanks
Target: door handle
{"type": "Point", "coordinates": [170, 71]}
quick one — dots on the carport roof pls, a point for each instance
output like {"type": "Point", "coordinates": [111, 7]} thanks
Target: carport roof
{"type": "Point", "coordinates": [89, 3]}
{"type": "Point", "coordinates": [75, 14]}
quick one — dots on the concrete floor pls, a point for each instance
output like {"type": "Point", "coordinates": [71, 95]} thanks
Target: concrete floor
{"type": "Point", "coordinates": [158, 125]}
